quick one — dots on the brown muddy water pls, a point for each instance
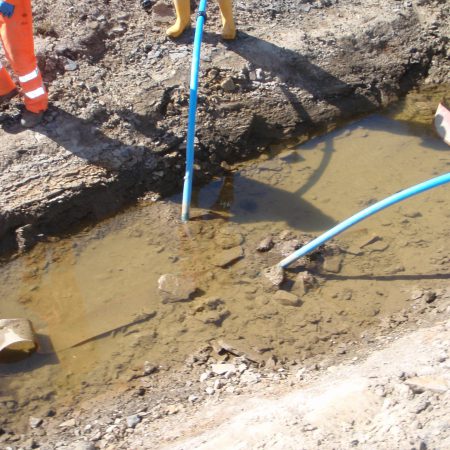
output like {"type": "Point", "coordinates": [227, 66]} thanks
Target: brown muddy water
{"type": "Point", "coordinates": [94, 298]}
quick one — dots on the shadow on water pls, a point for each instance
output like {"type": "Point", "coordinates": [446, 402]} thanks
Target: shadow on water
{"type": "Point", "coordinates": [248, 200]}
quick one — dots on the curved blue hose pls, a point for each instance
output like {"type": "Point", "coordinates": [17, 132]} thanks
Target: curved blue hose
{"type": "Point", "coordinates": [402, 195]}
{"type": "Point", "coordinates": [187, 190]}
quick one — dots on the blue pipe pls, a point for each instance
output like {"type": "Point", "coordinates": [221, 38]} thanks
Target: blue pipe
{"type": "Point", "coordinates": [187, 190]}
{"type": "Point", "coordinates": [398, 197]}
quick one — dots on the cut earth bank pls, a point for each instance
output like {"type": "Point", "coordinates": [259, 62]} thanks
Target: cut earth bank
{"type": "Point", "coordinates": [119, 93]}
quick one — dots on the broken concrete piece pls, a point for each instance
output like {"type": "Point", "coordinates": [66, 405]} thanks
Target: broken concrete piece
{"type": "Point", "coordinates": [17, 335]}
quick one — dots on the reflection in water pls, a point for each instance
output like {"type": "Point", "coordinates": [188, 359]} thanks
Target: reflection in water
{"type": "Point", "coordinates": [95, 296]}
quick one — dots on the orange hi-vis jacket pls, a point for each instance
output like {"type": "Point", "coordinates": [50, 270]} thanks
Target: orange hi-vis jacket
{"type": "Point", "coordinates": [16, 33]}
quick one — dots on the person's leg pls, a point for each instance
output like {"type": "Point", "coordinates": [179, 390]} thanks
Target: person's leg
{"type": "Point", "coordinates": [7, 85]}
{"type": "Point", "coordinates": [183, 11]}
{"type": "Point", "coordinates": [228, 26]}
{"type": "Point", "coordinates": [18, 43]}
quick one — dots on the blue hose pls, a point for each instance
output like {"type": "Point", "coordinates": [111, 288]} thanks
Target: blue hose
{"type": "Point", "coordinates": [187, 190]}
{"type": "Point", "coordinates": [402, 195]}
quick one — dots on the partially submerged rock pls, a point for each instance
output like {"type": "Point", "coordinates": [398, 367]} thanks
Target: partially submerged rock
{"type": "Point", "coordinates": [274, 274]}
{"type": "Point", "coordinates": [228, 257]}
{"type": "Point", "coordinates": [286, 298]}
{"type": "Point", "coordinates": [176, 289]}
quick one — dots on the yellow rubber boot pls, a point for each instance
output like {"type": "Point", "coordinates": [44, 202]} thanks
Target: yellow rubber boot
{"type": "Point", "coordinates": [228, 26]}
{"type": "Point", "coordinates": [183, 11]}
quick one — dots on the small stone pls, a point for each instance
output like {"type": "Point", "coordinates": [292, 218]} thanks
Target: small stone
{"type": "Point", "coordinates": [133, 420]}
{"type": "Point", "coordinates": [204, 376]}
{"type": "Point", "coordinates": [305, 282]}
{"type": "Point", "coordinates": [192, 398]}
{"type": "Point", "coordinates": [228, 257]}
{"type": "Point", "coordinates": [35, 422]}
{"type": "Point", "coordinates": [70, 65]}
{"type": "Point", "coordinates": [149, 368]}
{"type": "Point", "coordinates": [265, 245]}
{"type": "Point", "coordinates": [68, 423]}
{"type": "Point", "coordinates": [333, 264]}
{"type": "Point", "coordinates": [228, 85]}
{"type": "Point", "coordinates": [287, 299]}
{"type": "Point", "coordinates": [173, 409]}
{"type": "Point", "coordinates": [416, 294]}
{"type": "Point", "coordinates": [209, 390]}
{"type": "Point", "coordinates": [221, 369]}
{"type": "Point", "coordinates": [429, 296]}
{"type": "Point", "coordinates": [413, 214]}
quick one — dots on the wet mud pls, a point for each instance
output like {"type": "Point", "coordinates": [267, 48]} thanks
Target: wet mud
{"type": "Point", "coordinates": [144, 290]}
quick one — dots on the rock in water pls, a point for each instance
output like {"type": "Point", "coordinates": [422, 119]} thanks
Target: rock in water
{"type": "Point", "coordinates": [176, 289]}
{"type": "Point", "coordinates": [274, 274]}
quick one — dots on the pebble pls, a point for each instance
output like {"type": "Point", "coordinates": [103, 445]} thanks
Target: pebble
{"type": "Point", "coordinates": [204, 376]}
{"type": "Point", "coordinates": [68, 423]}
{"type": "Point", "coordinates": [133, 420]}
{"type": "Point", "coordinates": [221, 369]}
{"type": "Point", "coordinates": [35, 422]}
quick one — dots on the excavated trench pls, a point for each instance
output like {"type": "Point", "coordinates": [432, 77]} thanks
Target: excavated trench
{"type": "Point", "coordinates": [141, 286]}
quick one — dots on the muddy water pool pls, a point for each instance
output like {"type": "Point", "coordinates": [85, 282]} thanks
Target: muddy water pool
{"type": "Point", "coordinates": [94, 298]}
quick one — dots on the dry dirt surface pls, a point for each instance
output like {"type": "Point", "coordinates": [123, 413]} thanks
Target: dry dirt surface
{"type": "Point", "coordinates": [119, 93]}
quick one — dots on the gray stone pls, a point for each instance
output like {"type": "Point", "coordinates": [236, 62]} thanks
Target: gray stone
{"type": "Point", "coordinates": [70, 65]}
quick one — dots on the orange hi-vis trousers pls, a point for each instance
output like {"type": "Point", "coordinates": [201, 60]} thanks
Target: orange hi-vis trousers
{"type": "Point", "coordinates": [16, 34]}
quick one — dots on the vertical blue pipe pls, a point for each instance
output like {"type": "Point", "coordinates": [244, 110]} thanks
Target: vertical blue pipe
{"type": "Point", "coordinates": [187, 190]}
{"type": "Point", "coordinates": [398, 197]}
